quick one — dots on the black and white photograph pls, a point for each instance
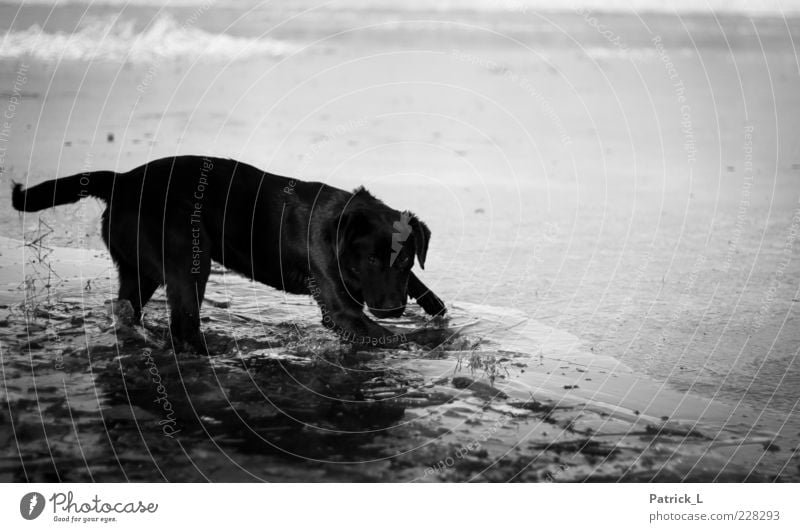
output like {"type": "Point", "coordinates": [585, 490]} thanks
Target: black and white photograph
{"type": "Point", "coordinates": [366, 241]}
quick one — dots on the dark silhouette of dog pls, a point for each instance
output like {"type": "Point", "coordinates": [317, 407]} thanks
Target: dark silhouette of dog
{"type": "Point", "coordinates": [167, 220]}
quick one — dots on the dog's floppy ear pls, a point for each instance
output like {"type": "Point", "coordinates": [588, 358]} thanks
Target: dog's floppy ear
{"type": "Point", "coordinates": [350, 225]}
{"type": "Point", "coordinates": [422, 235]}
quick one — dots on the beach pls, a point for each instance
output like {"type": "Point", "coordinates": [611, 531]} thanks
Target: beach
{"type": "Point", "coordinates": [614, 199]}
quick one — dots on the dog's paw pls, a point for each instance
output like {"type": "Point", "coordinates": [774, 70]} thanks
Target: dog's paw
{"type": "Point", "coordinates": [364, 332]}
{"type": "Point", "coordinates": [192, 346]}
{"type": "Point", "coordinates": [122, 312]}
{"type": "Point", "coordinates": [200, 348]}
{"type": "Point", "coordinates": [430, 338]}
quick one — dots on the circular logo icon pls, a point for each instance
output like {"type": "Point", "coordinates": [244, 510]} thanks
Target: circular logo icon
{"type": "Point", "coordinates": [31, 505]}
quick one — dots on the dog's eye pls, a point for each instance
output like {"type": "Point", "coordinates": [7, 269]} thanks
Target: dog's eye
{"type": "Point", "coordinates": [403, 262]}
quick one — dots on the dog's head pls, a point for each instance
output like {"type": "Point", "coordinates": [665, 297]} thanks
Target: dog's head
{"type": "Point", "coordinates": [376, 249]}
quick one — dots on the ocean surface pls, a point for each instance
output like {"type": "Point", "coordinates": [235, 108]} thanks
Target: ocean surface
{"type": "Point", "coordinates": [141, 30]}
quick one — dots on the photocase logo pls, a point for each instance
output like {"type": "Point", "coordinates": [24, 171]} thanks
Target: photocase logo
{"type": "Point", "coordinates": [402, 228]}
{"type": "Point", "coordinates": [31, 505]}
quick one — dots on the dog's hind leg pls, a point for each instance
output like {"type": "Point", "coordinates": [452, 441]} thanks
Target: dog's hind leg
{"type": "Point", "coordinates": [187, 267]}
{"type": "Point", "coordinates": [136, 288]}
{"type": "Point", "coordinates": [185, 296]}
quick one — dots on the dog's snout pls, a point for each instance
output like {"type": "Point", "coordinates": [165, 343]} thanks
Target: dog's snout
{"type": "Point", "coordinates": [388, 308]}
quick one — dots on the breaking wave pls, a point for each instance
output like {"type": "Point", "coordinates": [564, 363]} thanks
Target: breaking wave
{"type": "Point", "coordinates": [111, 39]}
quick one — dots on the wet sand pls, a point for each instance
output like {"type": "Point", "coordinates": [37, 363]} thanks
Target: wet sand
{"type": "Point", "coordinates": [92, 397]}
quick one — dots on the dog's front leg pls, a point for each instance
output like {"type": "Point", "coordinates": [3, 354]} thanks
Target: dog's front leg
{"type": "Point", "coordinates": [359, 329]}
{"type": "Point", "coordinates": [429, 301]}
{"type": "Point", "coordinates": [342, 315]}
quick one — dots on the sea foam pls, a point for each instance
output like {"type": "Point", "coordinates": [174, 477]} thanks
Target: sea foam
{"type": "Point", "coordinates": [112, 39]}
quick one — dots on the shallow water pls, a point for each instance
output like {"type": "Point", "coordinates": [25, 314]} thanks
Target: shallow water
{"type": "Point", "coordinates": [88, 397]}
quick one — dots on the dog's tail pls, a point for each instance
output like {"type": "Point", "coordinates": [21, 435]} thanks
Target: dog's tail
{"type": "Point", "coordinates": [63, 190]}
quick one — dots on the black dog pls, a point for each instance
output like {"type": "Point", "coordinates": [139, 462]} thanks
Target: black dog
{"type": "Point", "coordinates": [165, 221]}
